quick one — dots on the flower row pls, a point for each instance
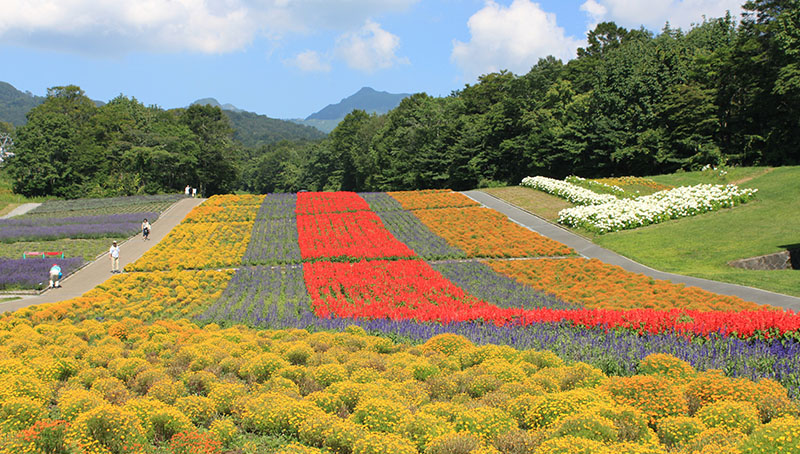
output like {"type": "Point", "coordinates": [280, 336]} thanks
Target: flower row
{"type": "Point", "coordinates": [565, 190]}
{"type": "Point", "coordinates": [113, 205]}
{"type": "Point", "coordinates": [329, 202]}
{"type": "Point", "coordinates": [196, 246]}
{"type": "Point", "coordinates": [127, 386]}
{"type": "Point", "coordinates": [596, 184]}
{"type": "Point", "coordinates": [359, 234]}
{"type": "Point", "coordinates": [432, 199]}
{"type": "Point", "coordinates": [634, 181]}
{"type": "Point", "coordinates": [482, 232]}
{"type": "Point", "coordinates": [33, 273]}
{"type": "Point", "coordinates": [652, 209]}
{"type": "Point", "coordinates": [40, 228]}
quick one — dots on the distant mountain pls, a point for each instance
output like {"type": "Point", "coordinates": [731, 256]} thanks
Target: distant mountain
{"type": "Point", "coordinates": [366, 99]}
{"type": "Point", "coordinates": [14, 104]}
{"type": "Point", "coordinates": [254, 130]}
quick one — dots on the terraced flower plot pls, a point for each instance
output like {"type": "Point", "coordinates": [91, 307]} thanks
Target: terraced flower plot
{"type": "Point", "coordinates": [283, 352]}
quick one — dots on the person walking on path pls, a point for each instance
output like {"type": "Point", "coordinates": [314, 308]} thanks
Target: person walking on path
{"type": "Point", "coordinates": [186, 190]}
{"type": "Point", "coordinates": [55, 276]}
{"type": "Point", "coordinates": [194, 192]}
{"type": "Point", "coordinates": [113, 253]}
{"type": "Point", "coordinates": [145, 230]}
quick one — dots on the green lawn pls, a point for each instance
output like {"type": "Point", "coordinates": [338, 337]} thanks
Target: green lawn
{"type": "Point", "coordinates": [9, 200]}
{"type": "Point", "coordinates": [703, 245]}
{"type": "Point", "coordinates": [86, 248]}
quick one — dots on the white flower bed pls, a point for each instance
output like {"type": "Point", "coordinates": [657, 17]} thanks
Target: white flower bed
{"type": "Point", "coordinates": [569, 191]}
{"type": "Point", "coordinates": [652, 209]}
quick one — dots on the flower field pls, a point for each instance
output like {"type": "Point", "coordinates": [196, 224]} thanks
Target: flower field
{"type": "Point", "coordinates": [80, 229]}
{"type": "Point", "coordinates": [354, 323]}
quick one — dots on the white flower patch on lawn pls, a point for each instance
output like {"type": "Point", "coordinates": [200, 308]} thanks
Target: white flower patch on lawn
{"type": "Point", "coordinates": [569, 191]}
{"type": "Point", "coordinates": [652, 209]}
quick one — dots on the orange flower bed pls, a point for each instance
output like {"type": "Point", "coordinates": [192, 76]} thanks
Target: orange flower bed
{"type": "Point", "coordinates": [434, 198]}
{"type": "Point", "coordinates": [229, 200]}
{"type": "Point", "coordinates": [481, 232]}
{"type": "Point", "coordinates": [595, 284]}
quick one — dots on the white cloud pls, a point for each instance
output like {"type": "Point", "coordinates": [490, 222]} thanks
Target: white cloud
{"type": "Point", "coordinates": [512, 38]}
{"type": "Point", "coordinates": [309, 61]}
{"type": "Point", "coordinates": [208, 26]}
{"type": "Point", "coordinates": [653, 14]}
{"type": "Point", "coordinates": [369, 49]}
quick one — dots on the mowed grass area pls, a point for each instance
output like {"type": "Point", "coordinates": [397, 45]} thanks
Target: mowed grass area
{"type": "Point", "coordinates": [703, 245]}
{"type": "Point", "coordinates": [9, 200]}
{"type": "Point", "coordinates": [538, 202]}
{"type": "Point", "coordinates": [88, 248]}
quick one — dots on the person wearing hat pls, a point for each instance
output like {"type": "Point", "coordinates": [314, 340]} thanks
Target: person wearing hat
{"type": "Point", "coordinates": [55, 276]}
{"type": "Point", "coordinates": [113, 253]}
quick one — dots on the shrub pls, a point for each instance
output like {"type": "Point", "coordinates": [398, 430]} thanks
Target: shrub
{"type": "Point", "coordinates": [298, 353]}
{"type": "Point", "coordinates": [666, 366]}
{"type": "Point", "coordinates": [711, 386]}
{"type": "Point", "coordinates": [193, 443]}
{"type": "Point", "coordinates": [654, 396]}
{"type": "Point", "coordinates": [483, 383]}
{"type": "Point", "coordinates": [106, 427]}
{"type": "Point", "coordinates": [550, 408]}
{"type": "Point", "coordinates": [380, 415]}
{"type": "Point", "coordinates": [780, 435]}
{"type": "Point", "coordinates": [297, 448]}
{"type": "Point", "coordinates": [726, 414]}
{"type": "Point", "coordinates": [587, 425]}
{"type": "Point", "coordinates": [678, 430]}
{"type": "Point", "coordinates": [199, 382]}
{"type": "Point", "coordinates": [573, 445]}
{"type": "Point", "coordinates": [631, 424]}
{"type": "Point", "coordinates": [421, 428]}
{"type": "Point", "coordinates": [383, 443]}
{"type": "Point", "coordinates": [199, 409]}
{"type": "Point", "coordinates": [127, 368]}
{"type": "Point", "coordinates": [328, 374]}
{"type": "Point", "coordinates": [167, 390]}
{"type": "Point", "coordinates": [581, 375]}
{"type": "Point", "coordinates": [224, 396]}
{"type": "Point", "coordinates": [772, 400]}
{"type": "Point", "coordinates": [714, 441]}
{"type": "Point", "coordinates": [73, 402]}
{"type": "Point", "coordinates": [343, 435]}
{"type": "Point", "coordinates": [224, 431]}
{"type": "Point", "coordinates": [453, 443]}
{"type": "Point", "coordinates": [112, 389]}
{"type": "Point", "coordinates": [44, 436]}
{"type": "Point", "coordinates": [261, 367]}
{"type": "Point", "coordinates": [485, 422]}
{"type": "Point", "coordinates": [448, 344]}
{"type": "Point", "coordinates": [519, 407]}
{"type": "Point", "coordinates": [423, 370]}
{"type": "Point", "coordinates": [314, 431]}
{"type": "Point", "coordinates": [18, 413]}
{"type": "Point", "coordinates": [541, 359]}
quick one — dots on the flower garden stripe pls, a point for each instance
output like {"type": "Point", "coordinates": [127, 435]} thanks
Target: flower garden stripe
{"type": "Point", "coordinates": [482, 232]}
{"type": "Point", "coordinates": [329, 202]}
{"type": "Point", "coordinates": [261, 293]}
{"type": "Point", "coordinates": [381, 201]}
{"type": "Point", "coordinates": [347, 236]}
{"type": "Point", "coordinates": [413, 233]}
{"type": "Point", "coordinates": [33, 273]}
{"type": "Point", "coordinates": [431, 199]}
{"type": "Point", "coordinates": [483, 282]}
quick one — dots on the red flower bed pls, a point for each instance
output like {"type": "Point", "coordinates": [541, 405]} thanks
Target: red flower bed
{"type": "Point", "coordinates": [398, 290]}
{"type": "Point", "coordinates": [350, 235]}
{"type": "Point", "coordinates": [411, 289]}
{"type": "Point", "coordinates": [329, 202]}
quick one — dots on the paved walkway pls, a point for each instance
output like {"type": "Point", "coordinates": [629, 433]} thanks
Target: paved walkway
{"type": "Point", "coordinates": [591, 250]}
{"type": "Point", "coordinates": [22, 209]}
{"type": "Point", "coordinates": [96, 272]}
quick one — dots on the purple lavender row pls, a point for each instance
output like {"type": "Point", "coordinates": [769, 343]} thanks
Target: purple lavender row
{"type": "Point", "coordinates": [256, 293]}
{"type": "Point", "coordinates": [40, 233]}
{"type": "Point", "coordinates": [481, 281]}
{"type": "Point", "coordinates": [272, 242]}
{"type": "Point", "coordinates": [33, 273]}
{"type": "Point", "coordinates": [89, 204]}
{"type": "Point", "coordinates": [413, 233]}
{"type": "Point", "coordinates": [614, 352]}
{"type": "Point", "coordinates": [381, 201]}
{"type": "Point", "coordinates": [83, 220]}
{"type": "Point", "coordinates": [277, 206]}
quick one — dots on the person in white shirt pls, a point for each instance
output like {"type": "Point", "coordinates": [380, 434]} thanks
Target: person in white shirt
{"type": "Point", "coordinates": [113, 253]}
{"type": "Point", "coordinates": [145, 230]}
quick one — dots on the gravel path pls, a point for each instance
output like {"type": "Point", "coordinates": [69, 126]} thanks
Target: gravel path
{"type": "Point", "coordinates": [22, 209]}
{"type": "Point", "coordinates": [591, 250]}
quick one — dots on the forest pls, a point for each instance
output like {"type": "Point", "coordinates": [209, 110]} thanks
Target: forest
{"type": "Point", "coordinates": [725, 92]}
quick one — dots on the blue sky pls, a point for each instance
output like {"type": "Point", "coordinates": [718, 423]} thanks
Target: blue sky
{"type": "Point", "coordinates": [290, 58]}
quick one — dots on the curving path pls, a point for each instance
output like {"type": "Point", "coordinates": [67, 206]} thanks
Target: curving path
{"type": "Point", "coordinates": [591, 250]}
{"type": "Point", "coordinates": [96, 272]}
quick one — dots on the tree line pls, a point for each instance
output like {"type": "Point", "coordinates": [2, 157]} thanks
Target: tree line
{"type": "Point", "coordinates": [631, 103]}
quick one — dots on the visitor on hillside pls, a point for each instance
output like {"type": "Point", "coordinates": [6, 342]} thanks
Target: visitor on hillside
{"type": "Point", "coordinates": [145, 230]}
{"type": "Point", "coordinates": [186, 191]}
{"type": "Point", "coordinates": [194, 192]}
{"type": "Point", "coordinates": [55, 276]}
{"type": "Point", "coordinates": [113, 253]}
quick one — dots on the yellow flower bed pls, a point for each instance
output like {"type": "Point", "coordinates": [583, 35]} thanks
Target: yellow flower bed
{"type": "Point", "coordinates": [145, 296]}
{"type": "Point", "coordinates": [197, 246]}
{"type": "Point", "coordinates": [126, 386]}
